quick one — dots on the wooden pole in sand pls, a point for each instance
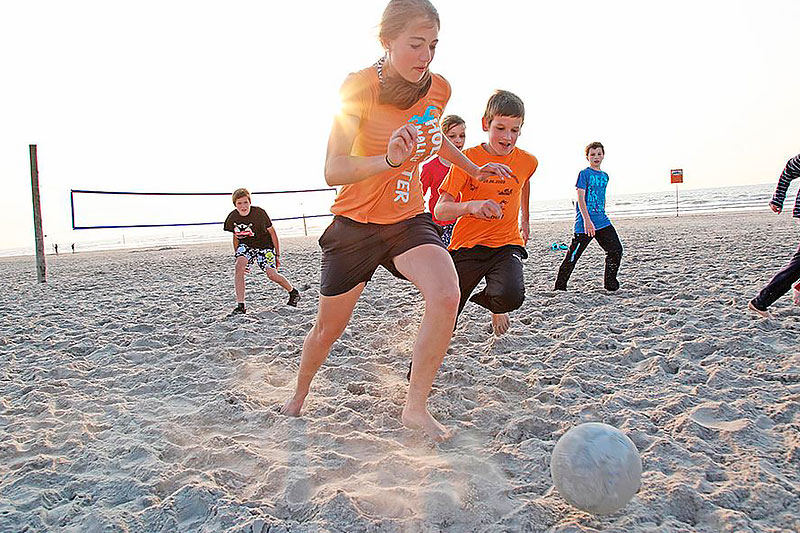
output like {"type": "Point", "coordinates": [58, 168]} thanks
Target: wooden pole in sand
{"type": "Point", "coordinates": [41, 267]}
{"type": "Point", "coordinates": [676, 177]}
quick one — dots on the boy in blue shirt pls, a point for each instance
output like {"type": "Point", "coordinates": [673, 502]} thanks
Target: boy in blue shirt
{"type": "Point", "coordinates": [591, 222]}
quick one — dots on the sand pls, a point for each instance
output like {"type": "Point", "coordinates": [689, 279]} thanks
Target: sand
{"type": "Point", "coordinates": [129, 402]}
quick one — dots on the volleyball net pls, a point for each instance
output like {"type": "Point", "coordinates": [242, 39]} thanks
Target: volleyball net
{"type": "Point", "coordinates": [92, 209]}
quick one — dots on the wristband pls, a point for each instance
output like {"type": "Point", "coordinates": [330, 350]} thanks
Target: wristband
{"type": "Point", "coordinates": [390, 163]}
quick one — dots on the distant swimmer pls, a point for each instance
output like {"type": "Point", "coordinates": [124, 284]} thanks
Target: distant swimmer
{"type": "Point", "coordinates": [254, 240]}
{"type": "Point", "coordinates": [790, 274]}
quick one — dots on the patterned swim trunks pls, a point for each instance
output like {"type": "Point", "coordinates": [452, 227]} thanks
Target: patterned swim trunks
{"type": "Point", "coordinates": [447, 233]}
{"type": "Point", "coordinates": [265, 257]}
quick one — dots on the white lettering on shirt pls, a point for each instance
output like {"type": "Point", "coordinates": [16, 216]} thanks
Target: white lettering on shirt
{"type": "Point", "coordinates": [402, 192]}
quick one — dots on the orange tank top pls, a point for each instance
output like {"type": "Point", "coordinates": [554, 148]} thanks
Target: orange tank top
{"type": "Point", "coordinates": [395, 194]}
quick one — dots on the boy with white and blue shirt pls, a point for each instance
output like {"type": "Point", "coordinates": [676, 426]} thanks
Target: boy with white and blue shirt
{"type": "Point", "coordinates": [790, 274]}
{"type": "Point", "coordinates": [591, 222]}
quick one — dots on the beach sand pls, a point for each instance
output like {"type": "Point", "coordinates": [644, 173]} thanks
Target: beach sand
{"type": "Point", "coordinates": [129, 402]}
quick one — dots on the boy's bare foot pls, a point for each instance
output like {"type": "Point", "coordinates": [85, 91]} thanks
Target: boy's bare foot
{"type": "Point", "coordinates": [293, 406]}
{"type": "Point", "coordinates": [796, 295]}
{"type": "Point", "coordinates": [423, 420]}
{"type": "Point", "coordinates": [759, 312]}
{"type": "Point", "coordinates": [500, 323]}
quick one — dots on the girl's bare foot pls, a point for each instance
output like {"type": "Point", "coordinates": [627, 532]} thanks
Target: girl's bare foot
{"type": "Point", "coordinates": [500, 323]}
{"type": "Point", "coordinates": [415, 419]}
{"type": "Point", "coordinates": [293, 406]}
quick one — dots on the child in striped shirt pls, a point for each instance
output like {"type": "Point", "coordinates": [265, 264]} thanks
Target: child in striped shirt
{"type": "Point", "coordinates": [790, 274]}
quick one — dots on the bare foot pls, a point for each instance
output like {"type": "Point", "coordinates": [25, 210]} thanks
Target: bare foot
{"type": "Point", "coordinates": [759, 312]}
{"type": "Point", "coordinates": [500, 323]}
{"type": "Point", "coordinates": [293, 406]}
{"type": "Point", "coordinates": [796, 295]}
{"type": "Point", "coordinates": [424, 421]}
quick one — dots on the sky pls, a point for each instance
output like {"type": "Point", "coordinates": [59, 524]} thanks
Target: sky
{"type": "Point", "coordinates": [211, 96]}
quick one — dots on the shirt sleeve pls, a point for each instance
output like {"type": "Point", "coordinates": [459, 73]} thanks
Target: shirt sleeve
{"type": "Point", "coordinates": [534, 166]}
{"type": "Point", "coordinates": [583, 181]}
{"type": "Point", "coordinates": [790, 172]}
{"type": "Point", "coordinates": [228, 225]}
{"type": "Point", "coordinates": [267, 220]}
{"type": "Point", "coordinates": [353, 96]}
{"type": "Point", "coordinates": [454, 182]}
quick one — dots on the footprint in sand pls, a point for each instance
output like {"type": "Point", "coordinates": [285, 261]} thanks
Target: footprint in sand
{"type": "Point", "coordinates": [706, 417]}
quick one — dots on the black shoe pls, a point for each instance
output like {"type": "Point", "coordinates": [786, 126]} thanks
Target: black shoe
{"type": "Point", "coordinates": [238, 310]}
{"type": "Point", "coordinates": [294, 297]}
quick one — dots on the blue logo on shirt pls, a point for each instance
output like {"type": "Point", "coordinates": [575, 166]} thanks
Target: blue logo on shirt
{"type": "Point", "coordinates": [426, 117]}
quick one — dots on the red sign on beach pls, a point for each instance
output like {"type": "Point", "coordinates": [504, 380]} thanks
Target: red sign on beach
{"type": "Point", "coordinates": [676, 175]}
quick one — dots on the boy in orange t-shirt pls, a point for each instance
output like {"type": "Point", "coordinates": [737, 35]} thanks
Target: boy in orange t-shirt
{"type": "Point", "coordinates": [489, 236]}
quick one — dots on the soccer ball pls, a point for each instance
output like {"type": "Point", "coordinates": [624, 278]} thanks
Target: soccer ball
{"type": "Point", "coordinates": [596, 468]}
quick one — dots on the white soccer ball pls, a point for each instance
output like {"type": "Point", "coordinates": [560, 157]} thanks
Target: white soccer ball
{"type": "Point", "coordinates": [596, 468]}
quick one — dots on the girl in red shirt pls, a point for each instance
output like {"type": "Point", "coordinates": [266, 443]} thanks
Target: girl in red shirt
{"type": "Point", "coordinates": [434, 171]}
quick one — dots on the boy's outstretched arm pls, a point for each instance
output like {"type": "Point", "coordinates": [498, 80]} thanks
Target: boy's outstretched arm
{"type": "Point", "coordinates": [457, 157]}
{"type": "Point", "coordinates": [525, 213]}
{"type": "Point", "coordinates": [448, 209]}
{"type": "Point", "coordinates": [235, 243]}
{"type": "Point", "coordinates": [276, 244]}
{"type": "Point", "coordinates": [588, 226]}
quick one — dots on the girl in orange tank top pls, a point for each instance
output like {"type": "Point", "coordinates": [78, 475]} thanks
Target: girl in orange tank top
{"type": "Point", "coordinates": [389, 123]}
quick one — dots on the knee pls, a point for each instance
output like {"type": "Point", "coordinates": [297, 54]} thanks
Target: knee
{"type": "Point", "coordinates": [444, 297]}
{"type": "Point", "coordinates": [241, 265]}
{"type": "Point", "coordinates": [509, 299]}
{"type": "Point", "coordinates": [272, 274]}
{"type": "Point", "coordinates": [326, 333]}
{"type": "Point", "coordinates": [615, 253]}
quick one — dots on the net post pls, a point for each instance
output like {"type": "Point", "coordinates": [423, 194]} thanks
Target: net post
{"type": "Point", "coordinates": [41, 266]}
{"type": "Point", "coordinates": [72, 207]}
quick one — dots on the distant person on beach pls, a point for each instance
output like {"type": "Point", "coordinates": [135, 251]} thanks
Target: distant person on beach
{"type": "Point", "coordinates": [783, 280]}
{"type": "Point", "coordinates": [591, 222]}
{"type": "Point", "coordinates": [434, 171]}
{"type": "Point", "coordinates": [55, 247]}
{"type": "Point", "coordinates": [73, 247]}
{"type": "Point", "coordinates": [493, 215]}
{"type": "Point", "coordinates": [388, 124]}
{"type": "Point", "coordinates": [254, 239]}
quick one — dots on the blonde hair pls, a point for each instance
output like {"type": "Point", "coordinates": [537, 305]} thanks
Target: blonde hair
{"type": "Point", "coordinates": [451, 121]}
{"type": "Point", "coordinates": [399, 13]}
{"type": "Point", "coordinates": [241, 193]}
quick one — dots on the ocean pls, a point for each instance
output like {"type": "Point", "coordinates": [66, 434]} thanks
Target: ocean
{"type": "Point", "coordinates": [663, 203]}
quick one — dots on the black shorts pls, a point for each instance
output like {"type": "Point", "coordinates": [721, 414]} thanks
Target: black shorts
{"type": "Point", "coordinates": [502, 269]}
{"type": "Point", "coordinates": [352, 251]}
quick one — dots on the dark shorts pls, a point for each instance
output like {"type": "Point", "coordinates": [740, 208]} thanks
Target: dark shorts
{"type": "Point", "coordinates": [500, 267]}
{"type": "Point", "coordinates": [352, 251]}
{"type": "Point", "coordinates": [265, 257]}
